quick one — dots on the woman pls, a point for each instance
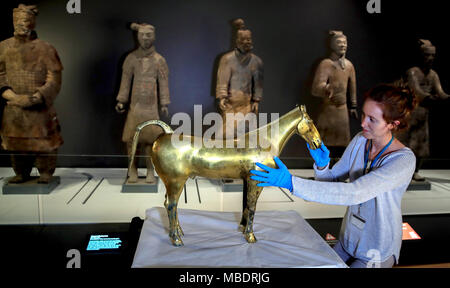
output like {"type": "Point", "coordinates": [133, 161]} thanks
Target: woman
{"type": "Point", "coordinates": [379, 169]}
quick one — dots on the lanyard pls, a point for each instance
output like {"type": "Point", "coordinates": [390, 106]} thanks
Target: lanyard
{"type": "Point", "coordinates": [366, 155]}
{"type": "Point", "coordinates": [366, 160]}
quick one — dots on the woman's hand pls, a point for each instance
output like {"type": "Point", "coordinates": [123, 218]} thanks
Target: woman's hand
{"type": "Point", "coordinates": [273, 177]}
{"type": "Point", "coordinates": [320, 155]}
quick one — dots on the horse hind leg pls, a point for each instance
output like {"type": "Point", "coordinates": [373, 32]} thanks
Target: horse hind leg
{"type": "Point", "coordinates": [174, 189]}
{"type": "Point", "coordinates": [178, 227]}
{"type": "Point", "coordinates": [253, 193]}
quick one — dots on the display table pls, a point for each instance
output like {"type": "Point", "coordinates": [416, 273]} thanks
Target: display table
{"type": "Point", "coordinates": [212, 239]}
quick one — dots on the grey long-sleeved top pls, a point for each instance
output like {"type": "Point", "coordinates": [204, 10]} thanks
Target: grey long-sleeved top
{"type": "Point", "coordinates": [375, 197]}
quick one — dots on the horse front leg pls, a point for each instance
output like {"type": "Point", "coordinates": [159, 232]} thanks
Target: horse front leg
{"type": "Point", "coordinates": [244, 218]}
{"type": "Point", "coordinates": [253, 193]}
{"type": "Point", "coordinates": [173, 192]}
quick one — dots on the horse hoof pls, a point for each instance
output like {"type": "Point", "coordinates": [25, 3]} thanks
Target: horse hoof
{"type": "Point", "coordinates": [177, 242]}
{"type": "Point", "coordinates": [250, 237]}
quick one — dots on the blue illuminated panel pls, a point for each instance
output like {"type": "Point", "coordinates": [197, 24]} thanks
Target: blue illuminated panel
{"type": "Point", "coordinates": [99, 242]}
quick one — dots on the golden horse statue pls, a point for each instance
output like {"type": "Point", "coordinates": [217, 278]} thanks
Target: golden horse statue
{"type": "Point", "coordinates": [175, 165]}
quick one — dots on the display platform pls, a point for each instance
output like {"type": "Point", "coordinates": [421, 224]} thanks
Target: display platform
{"type": "Point", "coordinates": [419, 185]}
{"type": "Point", "coordinates": [140, 186]}
{"type": "Point", "coordinates": [93, 195]}
{"type": "Point", "coordinates": [31, 187]}
{"type": "Point", "coordinates": [232, 185]}
{"type": "Point", "coordinates": [212, 239]}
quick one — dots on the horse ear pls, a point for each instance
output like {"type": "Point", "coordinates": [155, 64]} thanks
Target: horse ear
{"type": "Point", "coordinates": [303, 108]}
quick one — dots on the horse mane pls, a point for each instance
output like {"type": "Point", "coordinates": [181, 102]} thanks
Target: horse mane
{"type": "Point", "coordinates": [285, 128]}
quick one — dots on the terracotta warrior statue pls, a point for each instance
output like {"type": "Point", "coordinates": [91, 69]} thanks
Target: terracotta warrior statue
{"type": "Point", "coordinates": [239, 79]}
{"type": "Point", "coordinates": [333, 80]}
{"type": "Point", "coordinates": [427, 87]}
{"type": "Point", "coordinates": [146, 76]}
{"type": "Point", "coordinates": [30, 80]}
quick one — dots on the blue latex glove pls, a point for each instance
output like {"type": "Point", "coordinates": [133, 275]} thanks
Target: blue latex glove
{"type": "Point", "coordinates": [273, 177]}
{"type": "Point", "coordinates": [320, 155]}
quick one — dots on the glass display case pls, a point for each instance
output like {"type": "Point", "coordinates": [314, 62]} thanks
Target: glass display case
{"type": "Point", "coordinates": [93, 43]}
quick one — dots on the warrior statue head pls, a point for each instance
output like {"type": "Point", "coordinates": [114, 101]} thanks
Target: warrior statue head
{"type": "Point", "coordinates": [145, 34]}
{"type": "Point", "coordinates": [244, 41]}
{"type": "Point", "coordinates": [338, 43]}
{"type": "Point", "coordinates": [428, 52]}
{"type": "Point", "coordinates": [24, 20]}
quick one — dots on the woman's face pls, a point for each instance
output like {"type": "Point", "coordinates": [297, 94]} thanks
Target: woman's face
{"type": "Point", "coordinates": [372, 121]}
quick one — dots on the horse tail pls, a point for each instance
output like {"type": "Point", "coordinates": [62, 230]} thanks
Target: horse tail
{"type": "Point", "coordinates": [160, 123]}
{"type": "Point", "coordinates": [164, 126]}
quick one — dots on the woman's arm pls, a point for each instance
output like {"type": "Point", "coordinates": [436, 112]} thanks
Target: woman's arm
{"type": "Point", "coordinates": [396, 172]}
{"type": "Point", "coordinates": [340, 170]}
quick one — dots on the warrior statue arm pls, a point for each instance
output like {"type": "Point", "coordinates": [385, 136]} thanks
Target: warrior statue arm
{"type": "Point", "coordinates": [125, 85]}
{"type": "Point", "coordinates": [438, 88]}
{"type": "Point", "coordinates": [163, 86]}
{"type": "Point", "coordinates": [15, 99]}
{"type": "Point", "coordinates": [3, 80]}
{"type": "Point", "coordinates": [258, 80]}
{"type": "Point", "coordinates": [353, 101]}
{"type": "Point", "coordinates": [413, 82]}
{"type": "Point", "coordinates": [5, 91]}
{"type": "Point", "coordinates": [8, 94]}
{"type": "Point", "coordinates": [45, 94]}
{"type": "Point", "coordinates": [321, 86]}
{"type": "Point", "coordinates": [48, 92]}
{"type": "Point", "coordinates": [165, 110]}
{"type": "Point", "coordinates": [223, 79]}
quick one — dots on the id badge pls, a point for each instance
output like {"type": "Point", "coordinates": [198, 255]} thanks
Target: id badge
{"type": "Point", "coordinates": [358, 221]}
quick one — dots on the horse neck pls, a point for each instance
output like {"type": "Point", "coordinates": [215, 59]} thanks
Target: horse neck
{"type": "Point", "coordinates": [286, 128]}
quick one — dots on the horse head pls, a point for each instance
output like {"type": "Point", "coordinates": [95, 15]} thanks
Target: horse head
{"type": "Point", "coordinates": [308, 130]}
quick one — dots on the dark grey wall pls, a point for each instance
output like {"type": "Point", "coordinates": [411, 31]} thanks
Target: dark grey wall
{"type": "Point", "coordinates": [290, 37]}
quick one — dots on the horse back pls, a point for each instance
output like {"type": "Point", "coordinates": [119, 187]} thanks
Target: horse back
{"type": "Point", "coordinates": [183, 156]}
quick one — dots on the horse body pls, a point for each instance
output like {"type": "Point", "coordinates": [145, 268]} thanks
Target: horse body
{"type": "Point", "coordinates": [175, 164]}
{"type": "Point", "coordinates": [191, 161]}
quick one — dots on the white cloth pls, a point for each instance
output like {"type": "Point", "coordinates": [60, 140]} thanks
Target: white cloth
{"type": "Point", "coordinates": [212, 239]}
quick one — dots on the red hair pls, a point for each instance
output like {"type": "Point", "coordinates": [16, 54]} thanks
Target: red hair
{"type": "Point", "coordinates": [396, 102]}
